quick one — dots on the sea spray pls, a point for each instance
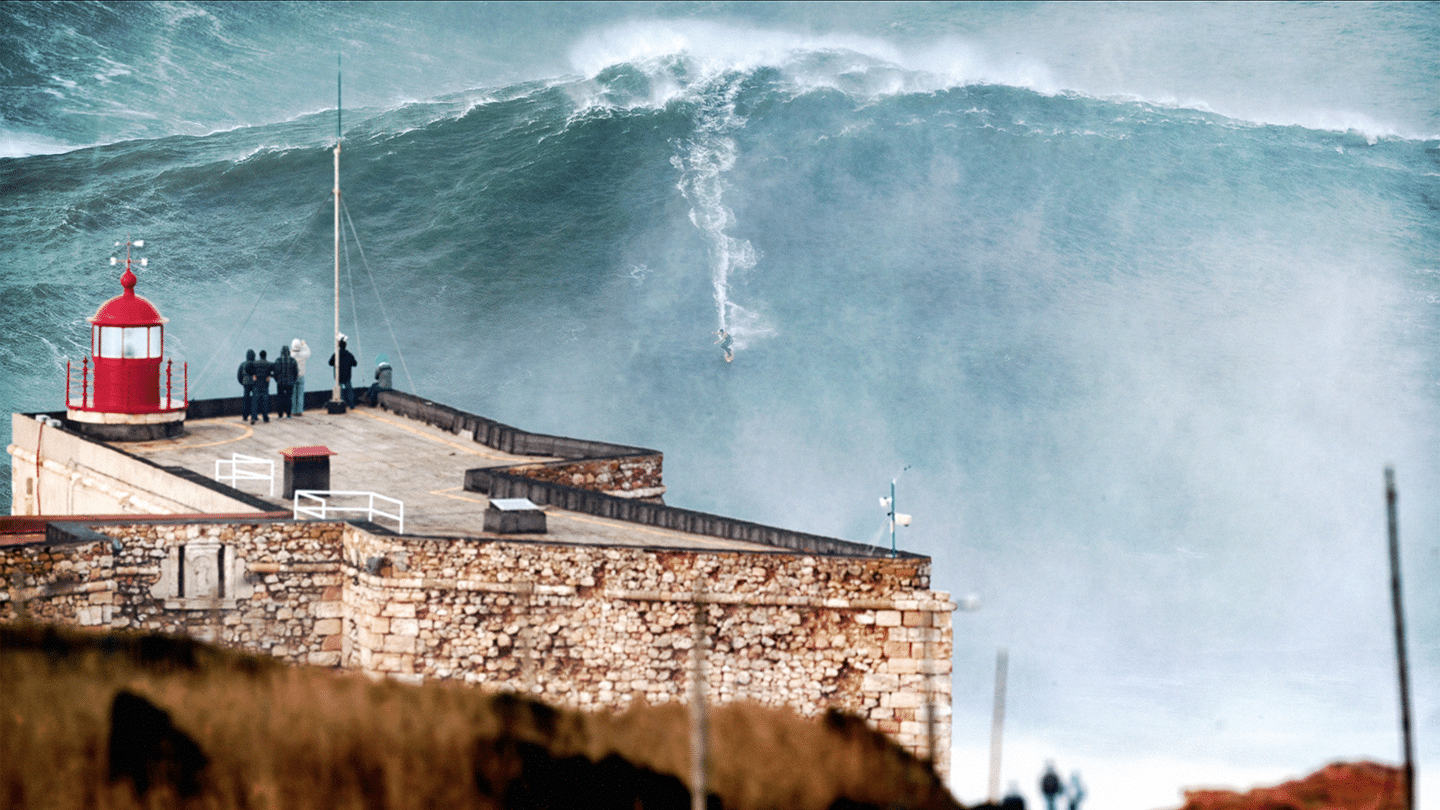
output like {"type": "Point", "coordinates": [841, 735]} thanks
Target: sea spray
{"type": "Point", "coordinates": [702, 160]}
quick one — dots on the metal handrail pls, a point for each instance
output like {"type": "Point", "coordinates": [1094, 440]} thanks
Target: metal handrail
{"type": "Point", "coordinates": [168, 403]}
{"type": "Point", "coordinates": [237, 474]}
{"type": "Point", "coordinates": [324, 508]}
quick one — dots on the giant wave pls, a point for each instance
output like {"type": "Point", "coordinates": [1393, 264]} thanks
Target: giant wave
{"type": "Point", "coordinates": [1142, 359]}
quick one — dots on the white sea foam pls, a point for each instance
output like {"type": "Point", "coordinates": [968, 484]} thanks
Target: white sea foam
{"type": "Point", "coordinates": [703, 161]}
{"type": "Point", "coordinates": [23, 144]}
{"type": "Point", "coordinates": [871, 67]}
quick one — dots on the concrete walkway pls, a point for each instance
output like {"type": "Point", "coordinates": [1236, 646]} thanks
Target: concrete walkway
{"type": "Point", "coordinates": [421, 465]}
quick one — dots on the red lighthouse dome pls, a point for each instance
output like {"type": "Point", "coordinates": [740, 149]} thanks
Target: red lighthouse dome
{"type": "Point", "coordinates": [126, 399]}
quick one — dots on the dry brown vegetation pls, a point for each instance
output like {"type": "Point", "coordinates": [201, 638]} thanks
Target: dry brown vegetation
{"type": "Point", "coordinates": [230, 730]}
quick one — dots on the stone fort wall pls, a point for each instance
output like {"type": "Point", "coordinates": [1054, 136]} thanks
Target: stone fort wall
{"type": "Point", "coordinates": [580, 626]}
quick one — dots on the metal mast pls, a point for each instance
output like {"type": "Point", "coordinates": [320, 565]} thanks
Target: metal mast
{"type": "Point", "coordinates": [335, 389]}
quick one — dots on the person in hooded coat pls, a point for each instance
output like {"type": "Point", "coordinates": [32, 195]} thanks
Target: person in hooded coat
{"type": "Point", "coordinates": [384, 377]}
{"type": "Point", "coordinates": [286, 372]}
{"type": "Point", "coordinates": [245, 375]}
{"type": "Point", "coordinates": [301, 352]}
{"type": "Point", "coordinates": [264, 370]}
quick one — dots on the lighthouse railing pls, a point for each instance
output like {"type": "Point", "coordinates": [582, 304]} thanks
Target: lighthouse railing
{"type": "Point", "coordinates": [168, 402]}
{"type": "Point", "coordinates": [86, 401]}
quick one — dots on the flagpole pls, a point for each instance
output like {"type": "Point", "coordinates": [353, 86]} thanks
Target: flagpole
{"type": "Point", "coordinates": [335, 389]}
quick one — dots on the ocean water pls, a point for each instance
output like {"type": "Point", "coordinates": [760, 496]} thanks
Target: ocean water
{"type": "Point", "coordinates": [1133, 302]}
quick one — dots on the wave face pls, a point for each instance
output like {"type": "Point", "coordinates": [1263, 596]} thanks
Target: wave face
{"type": "Point", "coordinates": [1135, 363]}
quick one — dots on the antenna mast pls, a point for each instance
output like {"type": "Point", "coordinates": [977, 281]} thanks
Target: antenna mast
{"type": "Point", "coordinates": [335, 390]}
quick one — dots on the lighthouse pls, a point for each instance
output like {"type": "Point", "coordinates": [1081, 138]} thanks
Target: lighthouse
{"type": "Point", "coordinates": [126, 386]}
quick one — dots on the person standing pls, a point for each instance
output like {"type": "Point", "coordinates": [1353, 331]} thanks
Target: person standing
{"type": "Point", "coordinates": [245, 375]}
{"type": "Point", "coordinates": [1077, 791]}
{"type": "Point", "coordinates": [343, 369]}
{"type": "Point", "coordinates": [264, 370]}
{"type": "Point", "coordinates": [1050, 785]}
{"type": "Point", "coordinates": [285, 375]}
{"type": "Point", "coordinates": [301, 352]}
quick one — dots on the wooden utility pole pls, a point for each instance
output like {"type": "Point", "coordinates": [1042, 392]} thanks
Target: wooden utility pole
{"type": "Point", "coordinates": [997, 723]}
{"type": "Point", "coordinates": [1400, 657]}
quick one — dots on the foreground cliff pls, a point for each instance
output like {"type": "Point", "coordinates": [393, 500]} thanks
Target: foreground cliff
{"type": "Point", "coordinates": [131, 720]}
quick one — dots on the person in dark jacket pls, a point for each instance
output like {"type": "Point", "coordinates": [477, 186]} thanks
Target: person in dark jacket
{"type": "Point", "coordinates": [286, 372]}
{"type": "Point", "coordinates": [347, 363]}
{"type": "Point", "coordinates": [264, 370]}
{"type": "Point", "coordinates": [1051, 786]}
{"type": "Point", "coordinates": [245, 375]}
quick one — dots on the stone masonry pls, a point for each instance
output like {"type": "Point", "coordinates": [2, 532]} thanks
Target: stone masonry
{"type": "Point", "coordinates": [587, 627]}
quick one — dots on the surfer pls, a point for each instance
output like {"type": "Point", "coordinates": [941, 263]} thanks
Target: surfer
{"type": "Point", "coordinates": [725, 342]}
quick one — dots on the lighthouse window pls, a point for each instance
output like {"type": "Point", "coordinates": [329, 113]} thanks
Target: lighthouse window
{"type": "Point", "coordinates": [129, 341]}
{"type": "Point", "coordinates": [109, 342]}
{"type": "Point", "coordinates": [134, 342]}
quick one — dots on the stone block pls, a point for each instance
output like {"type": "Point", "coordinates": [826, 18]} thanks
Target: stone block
{"type": "Point", "coordinates": [915, 618]}
{"type": "Point", "coordinates": [329, 610]}
{"type": "Point", "coordinates": [335, 643]}
{"type": "Point", "coordinates": [887, 618]}
{"type": "Point", "coordinates": [404, 627]}
{"type": "Point", "coordinates": [323, 659]}
{"type": "Point", "coordinates": [904, 700]}
{"type": "Point", "coordinates": [398, 644]}
{"type": "Point", "coordinates": [327, 627]}
{"type": "Point", "coordinates": [901, 666]}
{"type": "Point", "coordinates": [404, 610]}
{"type": "Point", "coordinates": [879, 682]}
{"type": "Point", "coordinates": [896, 649]}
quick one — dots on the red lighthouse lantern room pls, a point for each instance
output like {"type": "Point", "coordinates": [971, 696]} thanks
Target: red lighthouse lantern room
{"type": "Point", "coordinates": [125, 393]}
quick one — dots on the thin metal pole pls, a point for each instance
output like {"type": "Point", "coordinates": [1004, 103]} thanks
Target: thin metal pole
{"type": "Point", "coordinates": [997, 723]}
{"type": "Point", "coordinates": [1403, 664]}
{"type": "Point", "coordinates": [335, 389]}
{"type": "Point", "coordinates": [892, 518]}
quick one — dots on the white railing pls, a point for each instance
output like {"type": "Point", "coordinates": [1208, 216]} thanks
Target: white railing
{"type": "Point", "coordinates": [322, 509]}
{"type": "Point", "coordinates": [238, 474]}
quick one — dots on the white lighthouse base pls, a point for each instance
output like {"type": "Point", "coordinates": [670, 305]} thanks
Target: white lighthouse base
{"type": "Point", "coordinates": [127, 427]}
